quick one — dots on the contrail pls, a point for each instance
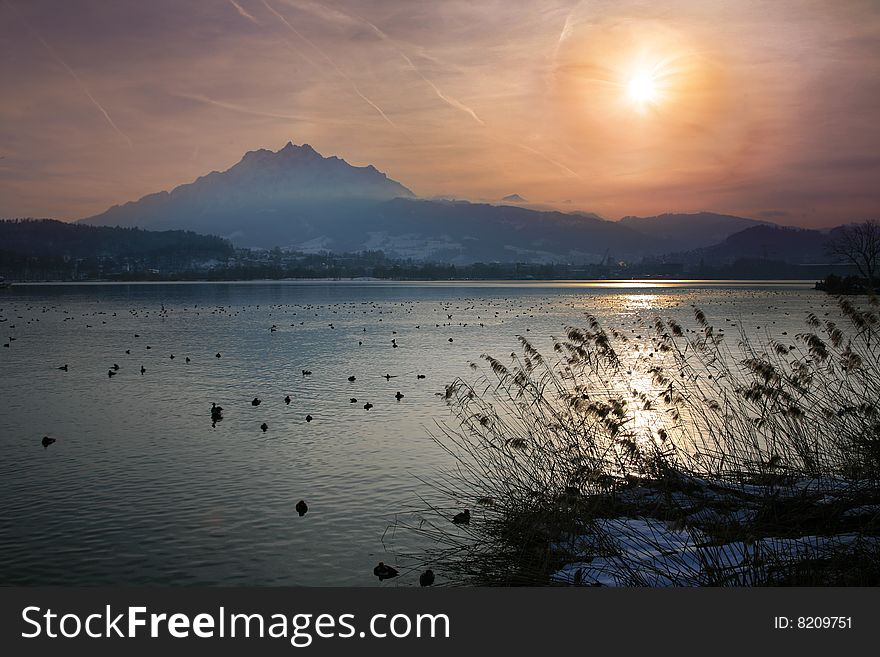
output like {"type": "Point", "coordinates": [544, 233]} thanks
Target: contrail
{"type": "Point", "coordinates": [72, 73]}
{"type": "Point", "coordinates": [332, 63]}
{"type": "Point", "coordinates": [327, 12]}
{"type": "Point", "coordinates": [546, 157]}
{"type": "Point", "coordinates": [452, 102]}
{"type": "Point", "coordinates": [244, 110]}
{"type": "Point", "coordinates": [241, 11]}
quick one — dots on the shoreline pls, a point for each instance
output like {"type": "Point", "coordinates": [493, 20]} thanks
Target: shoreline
{"type": "Point", "coordinates": [469, 282]}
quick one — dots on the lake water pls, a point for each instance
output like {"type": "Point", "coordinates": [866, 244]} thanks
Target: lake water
{"type": "Point", "coordinates": [141, 489]}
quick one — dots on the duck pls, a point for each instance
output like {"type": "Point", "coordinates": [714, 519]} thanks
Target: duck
{"type": "Point", "coordinates": [352, 378]}
{"type": "Point", "coordinates": [63, 368]}
{"type": "Point", "coordinates": [217, 355]}
{"type": "Point", "coordinates": [216, 412]}
{"type": "Point", "coordinates": [384, 571]}
{"type": "Point", "coordinates": [307, 372]}
{"type": "Point", "coordinates": [426, 578]}
{"type": "Point", "coordinates": [309, 418]}
{"type": "Point", "coordinates": [47, 441]}
{"type": "Point", "coordinates": [301, 508]}
{"type": "Point", "coordinates": [115, 367]}
{"type": "Point", "coordinates": [264, 427]}
{"type": "Point", "coordinates": [420, 376]}
{"type": "Point", "coordinates": [463, 518]}
{"type": "Point", "coordinates": [111, 373]}
{"type": "Point", "coordinates": [353, 400]}
{"type": "Point", "coordinates": [187, 359]}
{"type": "Point", "coordinates": [368, 406]}
{"type": "Point", "coordinates": [287, 399]}
{"type": "Point", "coordinates": [256, 401]}
{"type": "Point", "coordinates": [398, 396]}
{"type": "Point", "coordinates": [143, 369]}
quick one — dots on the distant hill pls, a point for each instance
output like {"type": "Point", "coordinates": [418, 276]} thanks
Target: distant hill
{"type": "Point", "coordinates": [691, 231]}
{"type": "Point", "coordinates": [792, 245]}
{"type": "Point", "coordinates": [513, 198]}
{"type": "Point", "coordinates": [297, 199]}
{"type": "Point", "coordinates": [47, 238]}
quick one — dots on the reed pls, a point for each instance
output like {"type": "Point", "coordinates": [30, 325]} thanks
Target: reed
{"type": "Point", "coordinates": [691, 459]}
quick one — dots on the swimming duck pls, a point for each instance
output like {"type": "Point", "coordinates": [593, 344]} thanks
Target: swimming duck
{"type": "Point", "coordinates": [384, 571]}
{"type": "Point", "coordinates": [426, 578]}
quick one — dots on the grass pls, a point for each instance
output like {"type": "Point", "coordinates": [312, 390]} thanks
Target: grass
{"type": "Point", "coordinates": [690, 459]}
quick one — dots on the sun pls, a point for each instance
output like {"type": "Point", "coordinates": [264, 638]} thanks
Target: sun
{"type": "Point", "coordinates": [642, 89]}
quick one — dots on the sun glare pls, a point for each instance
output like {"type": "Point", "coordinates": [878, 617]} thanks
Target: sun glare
{"type": "Point", "coordinates": [642, 89]}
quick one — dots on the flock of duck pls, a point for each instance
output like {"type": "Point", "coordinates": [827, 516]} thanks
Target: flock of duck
{"type": "Point", "coordinates": [496, 311]}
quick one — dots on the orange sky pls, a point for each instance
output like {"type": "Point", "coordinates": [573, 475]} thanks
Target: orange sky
{"type": "Point", "coordinates": [765, 109]}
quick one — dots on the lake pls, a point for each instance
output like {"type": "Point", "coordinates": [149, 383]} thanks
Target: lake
{"type": "Point", "coordinates": [140, 488]}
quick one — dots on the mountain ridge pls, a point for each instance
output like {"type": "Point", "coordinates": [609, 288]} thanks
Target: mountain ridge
{"type": "Point", "coordinates": [297, 198]}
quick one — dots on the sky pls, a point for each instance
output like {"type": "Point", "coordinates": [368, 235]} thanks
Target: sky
{"type": "Point", "coordinates": [617, 107]}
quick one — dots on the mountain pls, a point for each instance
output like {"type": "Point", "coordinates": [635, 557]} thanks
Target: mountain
{"type": "Point", "coordinates": [691, 231]}
{"type": "Point", "coordinates": [263, 179]}
{"type": "Point", "coordinates": [297, 199]}
{"type": "Point", "coordinates": [791, 245]}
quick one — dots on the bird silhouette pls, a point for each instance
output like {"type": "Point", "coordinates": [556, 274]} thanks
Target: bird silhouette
{"type": "Point", "coordinates": [217, 355]}
{"type": "Point", "coordinates": [384, 571]}
{"type": "Point", "coordinates": [287, 399]}
{"type": "Point", "coordinates": [309, 418]}
{"type": "Point", "coordinates": [353, 400]}
{"type": "Point", "coordinates": [115, 367]}
{"type": "Point", "coordinates": [420, 376]}
{"type": "Point", "coordinates": [351, 378]}
{"type": "Point", "coordinates": [398, 396]}
{"type": "Point", "coordinates": [463, 518]}
{"type": "Point", "coordinates": [187, 359]}
{"type": "Point", "coordinates": [111, 373]}
{"type": "Point", "coordinates": [307, 372]}
{"type": "Point", "coordinates": [256, 401]}
{"type": "Point", "coordinates": [47, 441]}
{"type": "Point", "coordinates": [63, 368]}
{"type": "Point", "coordinates": [426, 578]}
{"type": "Point", "coordinates": [302, 508]}
{"type": "Point", "coordinates": [368, 406]}
{"type": "Point", "coordinates": [264, 427]}
{"type": "Point", "coordinates": [143, 369]}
